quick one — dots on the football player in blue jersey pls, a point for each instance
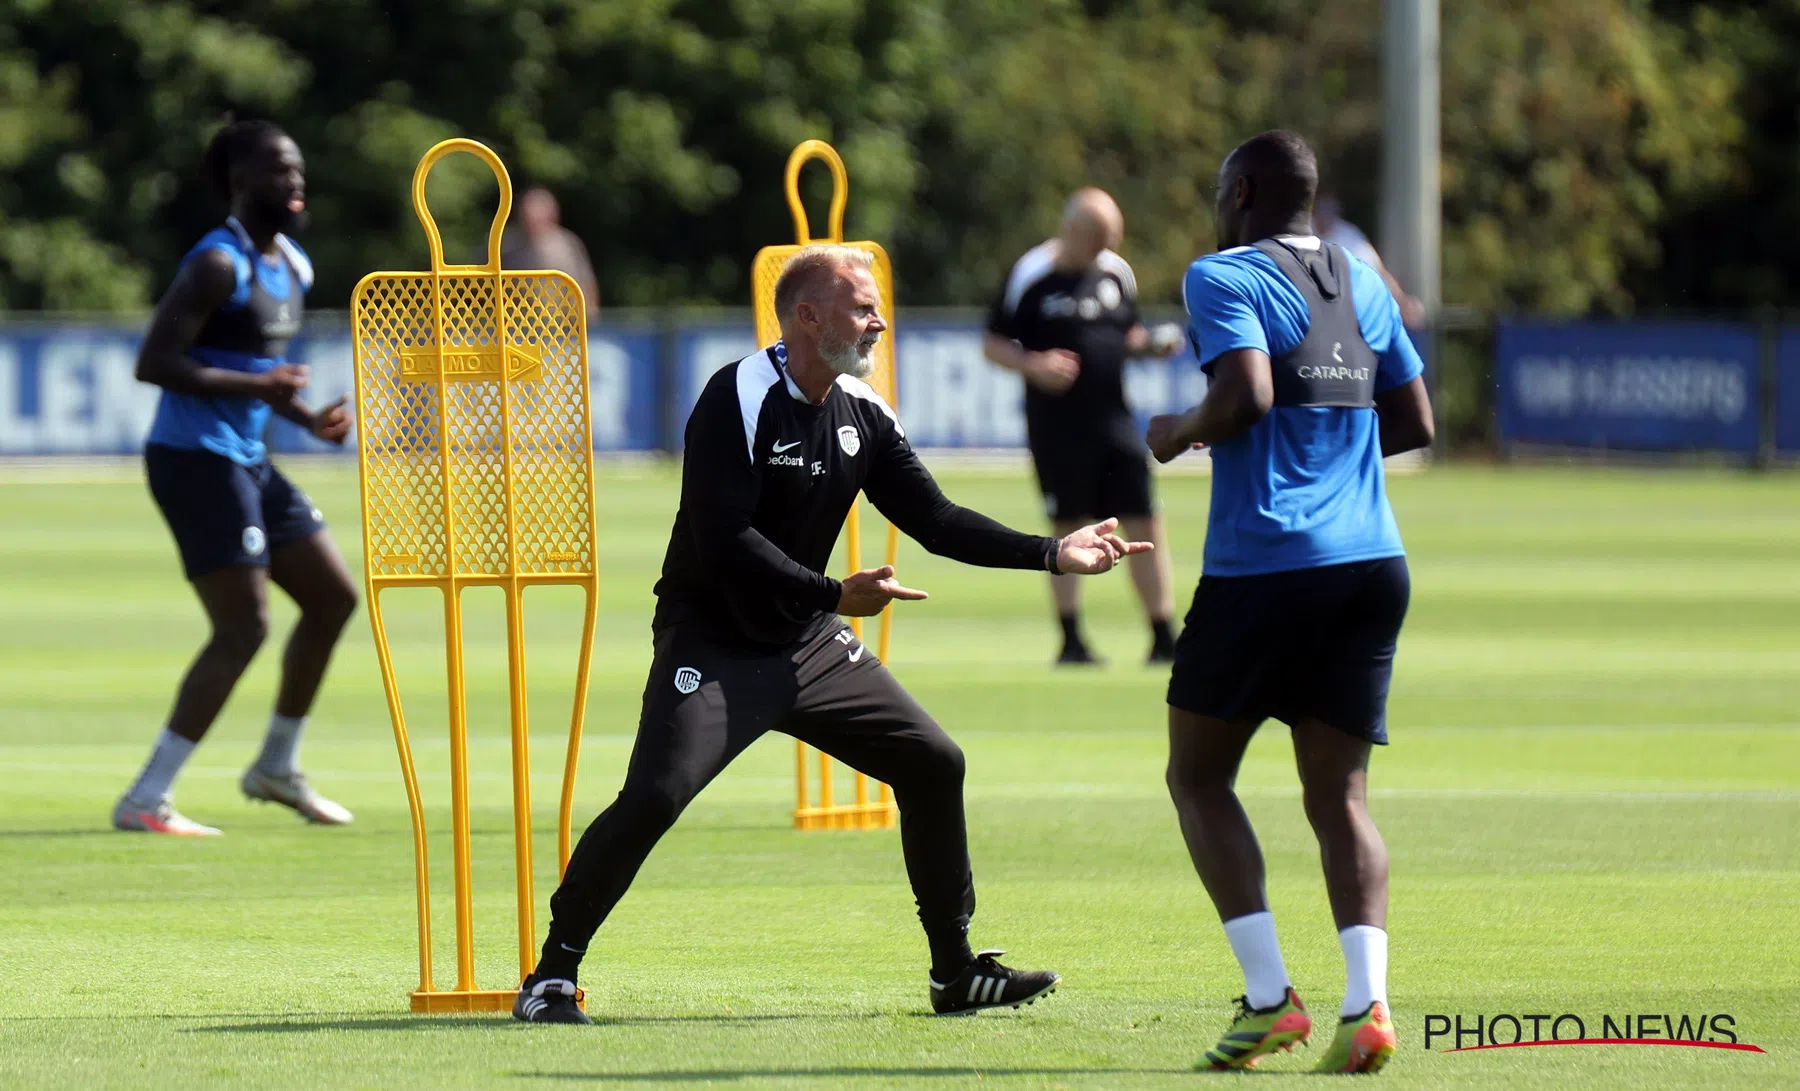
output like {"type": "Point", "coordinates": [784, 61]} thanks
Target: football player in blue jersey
{"type": "Point", "coordinates": [217, 347]}
{"type": "Point", "coordinates": [1312, 381]}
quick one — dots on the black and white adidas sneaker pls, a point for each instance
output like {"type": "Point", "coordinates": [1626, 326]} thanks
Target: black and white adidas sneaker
{"type": "Point", "coordinates": [985, 983]}
{"type": "Point", "coordinates": [549, 1000]}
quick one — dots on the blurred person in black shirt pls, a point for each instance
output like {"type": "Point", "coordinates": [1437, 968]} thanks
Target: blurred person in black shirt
{"type": "Point", "coordinates": [1067, 320]}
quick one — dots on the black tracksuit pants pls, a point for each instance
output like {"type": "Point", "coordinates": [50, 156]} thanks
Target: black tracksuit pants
{"type": "Point", "coordinates": [705, 703]}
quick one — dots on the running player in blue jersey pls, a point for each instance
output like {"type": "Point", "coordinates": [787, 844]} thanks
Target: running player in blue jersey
{"type": "Point", "coordinates": [1313, 381]}
{"type": "Point", "coordinates": [216, 346]}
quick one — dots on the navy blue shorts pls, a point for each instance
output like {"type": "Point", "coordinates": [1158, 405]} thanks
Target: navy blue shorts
{"type": "Point", "coordinates": [224, 514]}
{"type": "Point", "coordinates": [1312, 643]}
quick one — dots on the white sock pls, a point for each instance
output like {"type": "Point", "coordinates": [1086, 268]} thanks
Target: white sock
{"type": "Point", "coordinates": [1253, 942]}
{"type": "Point", "coordinates": [1365, 967]}
{"type": "Point", "coordinates": [281, 746]}
{"type": "Point", "coordinates": [156, 782]}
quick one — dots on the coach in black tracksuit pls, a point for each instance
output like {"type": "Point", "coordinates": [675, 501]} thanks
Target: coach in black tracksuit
{"type": "Point", "coordinates": [749, 639]}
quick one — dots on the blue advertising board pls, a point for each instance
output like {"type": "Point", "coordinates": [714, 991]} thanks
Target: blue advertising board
{"type": "Point", "coordinates": [70, 389]}
{"type": "Point", "coordinates": [1787, 391]}
{"type": "Point", "coordinates": [1658, 386]}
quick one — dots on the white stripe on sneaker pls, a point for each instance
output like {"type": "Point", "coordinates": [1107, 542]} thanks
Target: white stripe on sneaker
{"type": "Point", "coordinates": [975, 984]}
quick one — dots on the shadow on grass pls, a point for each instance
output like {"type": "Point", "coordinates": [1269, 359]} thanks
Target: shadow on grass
{"type": "Point", "coordinates": [308, 1025]}
{"type": "Point", "coordinates": [846, 1072]}
{"type": "Point", "coordinates": [279, 1025]}
{"type": "Point", "coordinates": [91, 831]}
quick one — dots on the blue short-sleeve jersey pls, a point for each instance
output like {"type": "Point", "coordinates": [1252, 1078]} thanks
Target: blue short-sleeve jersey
{"type": "Point", "coordinates": [1304, 487]}
{"type": "Point", "coordinates": [250, 333]}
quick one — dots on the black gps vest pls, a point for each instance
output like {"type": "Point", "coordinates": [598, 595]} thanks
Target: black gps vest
{"type": "Point", "coordinates": [1332, 365]}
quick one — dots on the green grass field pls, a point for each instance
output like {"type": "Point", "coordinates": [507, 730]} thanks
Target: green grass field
{"type": "Point", "coordinates": [1592, 801]}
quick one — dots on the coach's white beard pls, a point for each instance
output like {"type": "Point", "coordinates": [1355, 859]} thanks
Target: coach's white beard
{"type": "Point", "coordinates": [853, 358]}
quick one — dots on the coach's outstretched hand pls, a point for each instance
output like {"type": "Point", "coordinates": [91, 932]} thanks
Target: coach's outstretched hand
{"type": "Point", "coordinates": [1093, 550]}
{"type": "Point", "coordinates": [868, 592]}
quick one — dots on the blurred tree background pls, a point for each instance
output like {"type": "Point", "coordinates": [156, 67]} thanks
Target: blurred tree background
{"type": "Point", "coordinates": [1603, 156]}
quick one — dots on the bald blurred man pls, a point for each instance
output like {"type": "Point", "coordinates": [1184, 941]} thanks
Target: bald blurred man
{"type": "Point", "coordinates": [1067, 320]}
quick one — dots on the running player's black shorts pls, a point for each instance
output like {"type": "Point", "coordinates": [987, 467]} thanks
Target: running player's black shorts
{"type": "Point", "coordinates": [1092, 478]}
{"type": "Point", "coordinates": [1315, 642]}
{"type": "Point", "coordinates": [224, 514]}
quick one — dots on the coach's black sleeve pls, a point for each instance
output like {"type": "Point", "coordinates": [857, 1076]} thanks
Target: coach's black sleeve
{"type": "Point", "coordinates": [903, 490]}
{"type": "Point", "coordinates": [719, 487]}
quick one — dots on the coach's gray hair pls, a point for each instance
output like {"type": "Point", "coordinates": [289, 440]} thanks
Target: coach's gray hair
{"type": "Point", "coordinates": [808, 268]}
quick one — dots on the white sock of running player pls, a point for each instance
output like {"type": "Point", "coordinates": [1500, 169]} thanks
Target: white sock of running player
{"type": "Point", "coordinates": [157, 780]}
{"type": "Point", "coordinates": [281, 746]}
{"type": "Point", "coordinates": [1252, 938]}
{"type": "Point", "coordinates": [1365, 967]}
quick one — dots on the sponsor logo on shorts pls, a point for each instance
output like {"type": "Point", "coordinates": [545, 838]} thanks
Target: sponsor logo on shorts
{"type": "Point", "coordinates": [254, 541]}
{"type": "Point", "coordinates": [849, 440]}
{"type": "Point", "coordinates": [856, 654]}
{"type": "Point", "coordinates": [687, 680]}
{"type": "Point", "coordinates": [786, 460]}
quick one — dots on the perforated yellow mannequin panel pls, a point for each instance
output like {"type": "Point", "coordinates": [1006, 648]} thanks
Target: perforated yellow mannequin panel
{"type": "Point", "coordinates": [546, 527]}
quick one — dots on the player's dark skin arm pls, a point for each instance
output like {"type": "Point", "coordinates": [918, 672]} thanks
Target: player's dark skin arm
{"type": "Point", "coordinates": [1406, 420]}
{"type": "Point", "coordinates": [1242, 392]}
